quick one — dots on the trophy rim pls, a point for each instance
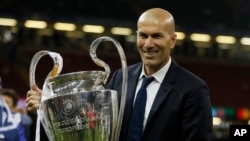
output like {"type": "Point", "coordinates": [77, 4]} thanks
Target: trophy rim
{"type": "Point", "coordinates": [80, 75]}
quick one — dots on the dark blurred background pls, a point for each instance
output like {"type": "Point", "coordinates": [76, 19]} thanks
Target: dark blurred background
{"type": "Point", "coordinates": [224, 66]}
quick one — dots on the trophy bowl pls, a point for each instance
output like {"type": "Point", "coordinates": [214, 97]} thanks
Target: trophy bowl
{"type": "Point", "coordinates": [80, 115]}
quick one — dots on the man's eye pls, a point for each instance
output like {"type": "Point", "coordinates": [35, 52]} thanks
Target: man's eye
{"type": "Point", "coordinates": [142, 36]}
{"type": "Point", "coordinates": [157, 36]}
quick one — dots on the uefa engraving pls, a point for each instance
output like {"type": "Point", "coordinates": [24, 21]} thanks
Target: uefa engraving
{"type": "Point", "coordinates": [68, 107]}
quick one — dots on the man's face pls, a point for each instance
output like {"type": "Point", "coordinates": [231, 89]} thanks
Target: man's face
{"type": "Point", "coordinates": [154, 44]}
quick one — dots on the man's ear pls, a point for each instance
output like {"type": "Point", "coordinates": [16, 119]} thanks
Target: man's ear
{"type": "Point", "coordinates": [173, 40]}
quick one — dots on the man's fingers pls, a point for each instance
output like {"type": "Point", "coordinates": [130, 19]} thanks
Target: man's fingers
{"type": "Point", "coordinates": [33, 99]}
{"type": "Point", "coordinates": [33, 104]}
{"type": "Point", "coordinates": [31, 94]}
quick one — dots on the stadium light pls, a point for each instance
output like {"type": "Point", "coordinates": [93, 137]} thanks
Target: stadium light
{"type": "Point", "coordinates": [93, 28]}
{"type": "Point", "coordinates": [121, 31]}
{"type": "Point", "coordinates": [65, 26]}
{"type": "Point", "coordinates": [8, 22]}
{"type": "Point", "coordinates": [35, 24]}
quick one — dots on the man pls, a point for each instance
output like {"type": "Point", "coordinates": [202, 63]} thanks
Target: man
{"type": "Point", "coordinates": [178, 103]}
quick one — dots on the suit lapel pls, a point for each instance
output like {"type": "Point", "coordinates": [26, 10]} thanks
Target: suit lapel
{"type": "Point", "coordinates": [164, 90]}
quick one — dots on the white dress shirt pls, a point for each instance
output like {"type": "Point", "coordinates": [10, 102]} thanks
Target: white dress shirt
{"type": "Point", "coordinates": [153, 87]}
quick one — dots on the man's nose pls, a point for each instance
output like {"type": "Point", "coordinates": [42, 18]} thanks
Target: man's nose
{"type": "Point", "coordinates": [149, 42]}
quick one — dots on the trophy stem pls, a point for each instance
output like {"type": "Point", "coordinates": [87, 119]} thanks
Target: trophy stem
{"type": "Point", "coordinates": [93, 46]}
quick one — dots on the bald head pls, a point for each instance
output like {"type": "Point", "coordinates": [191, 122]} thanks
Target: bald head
{"type": "Point", "coordinates": [158, 16]}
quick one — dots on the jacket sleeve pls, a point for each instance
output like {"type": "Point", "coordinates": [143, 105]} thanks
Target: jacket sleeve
{"type": "Point", "coordinates": [197, 115]}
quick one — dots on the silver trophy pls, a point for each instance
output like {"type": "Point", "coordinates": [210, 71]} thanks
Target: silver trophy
{"type": "Point", "coordinates": [77, 106]}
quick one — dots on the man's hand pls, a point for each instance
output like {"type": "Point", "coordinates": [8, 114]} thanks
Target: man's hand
{"type": "Point", "coordinates": [33, 98]}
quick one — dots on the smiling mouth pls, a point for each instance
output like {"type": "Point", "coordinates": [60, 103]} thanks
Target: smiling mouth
{"type": "Point", "coordinates": [149, 53]}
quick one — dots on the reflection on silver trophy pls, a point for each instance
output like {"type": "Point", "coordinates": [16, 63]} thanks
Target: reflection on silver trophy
{"type": "Point", "coordinates": [77, 106]}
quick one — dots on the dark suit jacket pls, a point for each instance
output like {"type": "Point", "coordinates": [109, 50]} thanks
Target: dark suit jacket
{"type": "Point", "coordinates": [181, 110]}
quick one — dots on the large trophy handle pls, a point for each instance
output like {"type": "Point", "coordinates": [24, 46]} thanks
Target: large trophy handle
{"type": "Point", "coordinates": [98, 61]}
{"type": "Point", "coordinates": [57, 68]}
{"type": "Point", "coordinates": [93, 47]}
